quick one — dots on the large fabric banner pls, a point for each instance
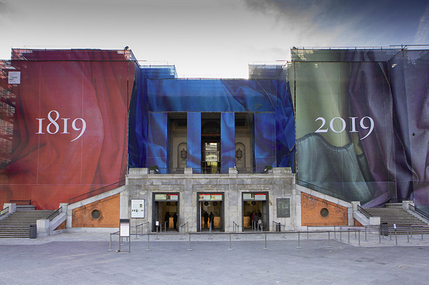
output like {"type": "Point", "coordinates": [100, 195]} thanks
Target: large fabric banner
{"type": "Point", "coordinates": [360, 120]}
{"type": "Point", "coordinates": [266, 99]}
{"type": "Point", "coordinates": [70, 124]}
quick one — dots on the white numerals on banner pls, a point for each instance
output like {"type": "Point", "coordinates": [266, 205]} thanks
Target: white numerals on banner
{"type": "Point", "coordinates": [57, 124]}
{"type": "Point", "coordinates": [343, 125]}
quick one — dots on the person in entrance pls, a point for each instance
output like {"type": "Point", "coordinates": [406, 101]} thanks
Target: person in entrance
{"type": "Point", "coordinates": [206, 219]}
{"type": "Point", "coordinates": [167, 220]}
{"type": "Point", "coordinates": [175, 217]}
{"type": "Point", "coordinates": [211, 220]}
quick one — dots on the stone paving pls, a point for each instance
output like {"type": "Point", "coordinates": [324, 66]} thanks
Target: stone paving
{"type": "Point", "coordinates": [84, 258]}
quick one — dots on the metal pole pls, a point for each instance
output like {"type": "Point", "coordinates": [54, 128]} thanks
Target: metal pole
{"type": "Point", "coordinates": [408, 237]}
{"type": "Point", "coordinates": [189, 242]}
{"type": "Point", "coordinates": [265, 241]}
{"type": "Point", "coordinates": [422, 233]}
{"type": "Point", "coordinates": [348, 235]}
{"type": "Point", "coordinates": [307, 232]}
{"type": "Point", "coordinates": [379, 236]}
{"type": "Point", "coordinates": [396, 238]}
{"type": "Point", "coordinates": [110, 243]}
{"type": "Point", "coordinates": [230, 245]}
{"type": "Point", "coordinates": [359, 237]}
{"type": "Point", "coordinates": [341, 232]}
{"type": "Point", "coordinates": [366, 236]}
{"type": "Point", "coordinates": [329, 239]}
{"type": "Point", "coordinates": [148, 243]}
{"type": "Point", "coordinates": [299, 241]}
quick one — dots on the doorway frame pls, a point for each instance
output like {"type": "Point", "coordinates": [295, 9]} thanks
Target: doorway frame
{"type": "Point", "coordinates": [222, 209]}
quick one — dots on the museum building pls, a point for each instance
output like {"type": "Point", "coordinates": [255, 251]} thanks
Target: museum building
{"type": "Point", "coordinates": [107, 139]}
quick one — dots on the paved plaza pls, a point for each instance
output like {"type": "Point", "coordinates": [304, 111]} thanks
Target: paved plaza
{"type": "Point", "coordinates": [84, 258]}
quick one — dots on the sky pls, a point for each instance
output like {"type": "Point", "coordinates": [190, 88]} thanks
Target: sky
{"type": "Point", "coordinates": [211, 38]}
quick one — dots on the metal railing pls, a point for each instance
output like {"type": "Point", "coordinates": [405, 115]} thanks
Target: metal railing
{"type": "Point", "coordinates": [363, 211]}
{"type": "Point", "coordinates": [208, 170]}
{"type": "Point", "coordinates": [235, 227]}
{"type": "Point", "coordinates": [4, 211]}
{"type": "Point", "coordinates": [142, 228]}
{"type": "Point", "coordinates": [418, 211]}
{"type": "Point", "coordinates": [277, 226]}
{"type": "Point", "coordinates": [338, 233]}
{"type": "Point", "coordinates": [97, 191]}
{"type": "Point", "coordinates": [20, 202]}
{"type": "Point", "coordinates": [182, 228]}
{"type": "Point", "coordinates": [55, 214]}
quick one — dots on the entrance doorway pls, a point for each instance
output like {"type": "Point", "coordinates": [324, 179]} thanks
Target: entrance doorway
{"type": "Point", "coordinates": [165, 212]}
{"type": "Point", "coordinates": [255, 211]}
{"type": "Point", "coordinates": [210, 212]}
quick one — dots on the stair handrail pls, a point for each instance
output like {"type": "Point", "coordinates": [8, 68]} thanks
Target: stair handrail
{"type": "Point", "coordinates": [235, 227]}
{"type": "Point", "coordinates": [418, 211]}
{"type": "Point", "coordinates": [100, 190]}
{"type": "Point", "coordinates": [4, 211]}
{"type": "Point", "coordinates": [55, 214]}
{"type": "Point", "coordinates": [185, 225]}
{"type": "Point", "coordinates": [364, 212]}
{"type": "Point", "coordinates": [20, 202]}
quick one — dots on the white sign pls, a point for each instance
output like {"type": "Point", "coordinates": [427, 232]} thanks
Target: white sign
{"type": "Point", "coordinates": [14, 77]}
{"type": "Point", "coordinates": [124, 229]}
{"type": "Point", "coordinates": [137, 208]}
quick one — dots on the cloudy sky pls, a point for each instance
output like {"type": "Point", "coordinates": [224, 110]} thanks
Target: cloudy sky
{"type": "Point", "coordinates": [211, 38]}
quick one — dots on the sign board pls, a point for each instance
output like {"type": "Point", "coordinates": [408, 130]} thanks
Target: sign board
{"type": "Point", "coordinates": [137, 208]}
{"type": "Point", "coordinates": [210, 197]}
{"type": "Point", "coordinates": [283, 207]}
{"type": "Point", "coordinates": [254, 196]}
{"type": "Point", "coordinates": [14, 77]}
{"type": "Point", "coordinates": [124, 227]}
{"type": "Point", "coordinates": [166, 197]}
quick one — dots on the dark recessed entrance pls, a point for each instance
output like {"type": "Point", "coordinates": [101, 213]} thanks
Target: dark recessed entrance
{"type": "Point", "coordinates": [255, 211]}
{"type": "Point", "coordinates": [210, 204]}
{"type": "Point", "coordinates": [165, 212]}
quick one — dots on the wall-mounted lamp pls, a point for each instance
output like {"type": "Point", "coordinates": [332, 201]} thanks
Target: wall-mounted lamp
{"type": "Point", "coordinates": [183, 154]}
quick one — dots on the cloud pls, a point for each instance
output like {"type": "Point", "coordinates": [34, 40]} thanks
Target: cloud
{"type": "Point", "coordinates": [4, 7]}
{"type": "Point", "coordinates": [341, 22]}
{"type": "Point", "coordinates": [422, 34]}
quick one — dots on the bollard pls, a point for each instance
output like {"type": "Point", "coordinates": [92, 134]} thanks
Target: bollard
{"type": "Point", "coordinates": [341, 231]}
{"type": "Point", "coordinates": [359, 237]}
{"type": "Point", "coordinates": [396, 237]}
{"type": "Point", "coordinates": [230, 245]}
{"type": "Point", "coordinates": [299, 241]}
{"type": "Point", "coordinates": [265, 241]}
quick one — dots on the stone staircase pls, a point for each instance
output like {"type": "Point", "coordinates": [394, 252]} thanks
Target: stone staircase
{"type": "Point", "coordinates": [395, 214]}
{"type": "Point", "coordinates": [17, 225]}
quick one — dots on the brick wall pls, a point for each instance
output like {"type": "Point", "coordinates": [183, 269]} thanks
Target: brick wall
{"type": "Point", "coordinates": [319, 212]}
{"type": "Point", "coordinates": [100, 214]}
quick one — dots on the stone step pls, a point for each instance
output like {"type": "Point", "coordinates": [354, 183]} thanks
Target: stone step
{"type": "Point", "coordinates": [17, 225]}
